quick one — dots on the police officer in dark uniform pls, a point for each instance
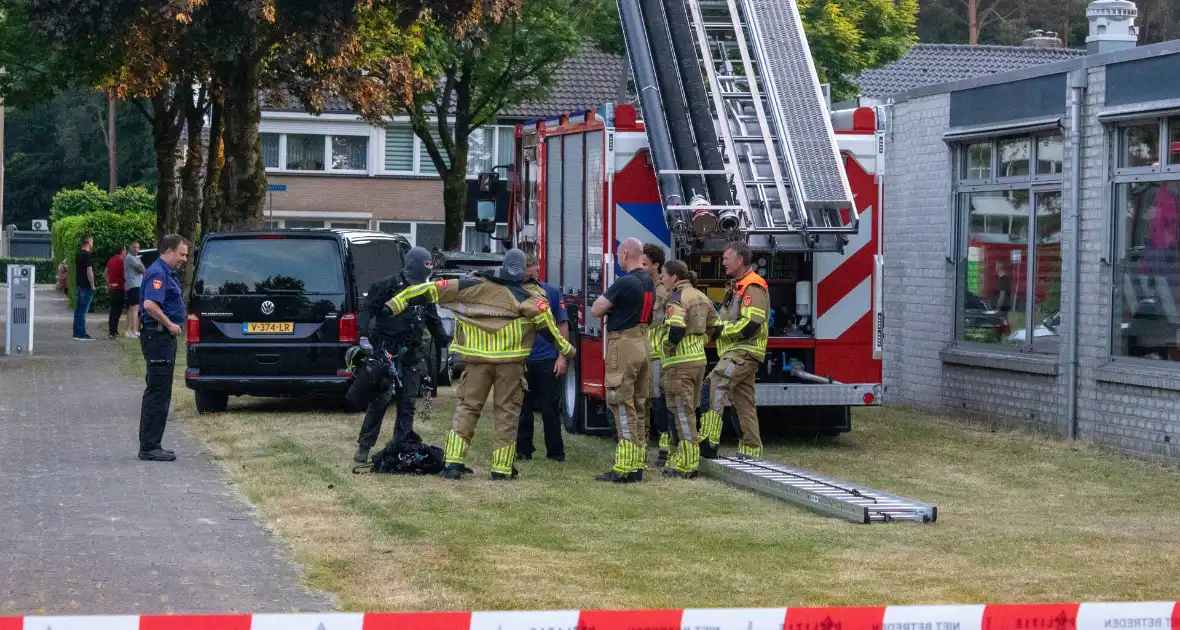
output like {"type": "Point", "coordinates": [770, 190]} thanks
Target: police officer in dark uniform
{"type": "Point", "coordinates": [161, 315]}
{"type": "Point", "coordinates": [391, 333]}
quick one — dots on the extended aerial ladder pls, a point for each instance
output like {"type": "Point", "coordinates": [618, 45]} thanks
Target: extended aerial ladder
{"type": "Point", "coordinates": [742, 145]}
{"type": "Point", "coordinates": [760, 133]}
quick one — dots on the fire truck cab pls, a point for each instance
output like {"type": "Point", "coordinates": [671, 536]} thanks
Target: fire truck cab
{"type": "Point", "coordinates": [582, 182]}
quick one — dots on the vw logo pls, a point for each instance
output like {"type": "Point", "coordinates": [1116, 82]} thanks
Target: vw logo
{"type": "Point", "coordinates": [268, 307]}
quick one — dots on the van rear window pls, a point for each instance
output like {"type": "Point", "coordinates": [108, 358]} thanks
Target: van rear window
{"type": "Point", "coordinates": [269, 267]}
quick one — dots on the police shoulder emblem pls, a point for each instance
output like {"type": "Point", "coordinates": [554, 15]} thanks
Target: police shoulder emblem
{"type": "Point", "coordinates": [156, 284]}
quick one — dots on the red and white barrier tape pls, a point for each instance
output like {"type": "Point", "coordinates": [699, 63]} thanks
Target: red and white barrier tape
{"type": "Point", "coordinates": [1088, 616]}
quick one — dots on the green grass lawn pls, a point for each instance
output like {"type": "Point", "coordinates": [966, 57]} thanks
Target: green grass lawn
{"type": "Point", "coordinates": [1021, 519]}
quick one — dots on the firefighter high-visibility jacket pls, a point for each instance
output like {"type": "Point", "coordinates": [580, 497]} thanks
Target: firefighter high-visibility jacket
{"type": "Point", "coordinates": [498, 321]}
{"type": "Point", "coordinates": [657, 318]}
{"type": "Point", "coordinates": [688, 317]}
{"type": "Point", "coordinates": [743, 321]}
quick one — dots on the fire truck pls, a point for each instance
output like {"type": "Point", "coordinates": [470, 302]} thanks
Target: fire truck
{"type": "Point", "coordinates": [737, 142]}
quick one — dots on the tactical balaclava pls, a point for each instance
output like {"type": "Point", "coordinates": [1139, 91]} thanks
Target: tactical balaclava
{"type": "Point", "coordinates": [418, 265]}
{"type": "Point", "coordinates": [512, 269]}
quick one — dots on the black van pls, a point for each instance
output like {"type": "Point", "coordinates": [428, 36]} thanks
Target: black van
{"type": "Point", "coordinates": [272, 313]}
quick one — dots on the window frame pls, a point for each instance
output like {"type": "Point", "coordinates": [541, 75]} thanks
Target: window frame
{"type": "Point", "coordinates": [412, 235]}
{"type": "Point", "coordinates": [1163, 172]}
{"type": "Point", "coordinates": [422, 166]}
{"type": "Point", "coordinates": [962, 187]}
{"type": "Point", "coordinates": [327, 153]}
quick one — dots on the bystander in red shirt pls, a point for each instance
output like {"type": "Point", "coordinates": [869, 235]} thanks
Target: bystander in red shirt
{"type": "Point", "coordinates": [115, 273]}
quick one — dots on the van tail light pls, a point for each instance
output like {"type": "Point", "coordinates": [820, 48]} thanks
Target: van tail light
{"type": "Point", "coordinates": [348, 328]}
{"type": "Point", "coordinates": [192, 329]}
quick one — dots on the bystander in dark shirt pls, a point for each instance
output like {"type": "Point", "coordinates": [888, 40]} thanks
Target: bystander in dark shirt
{"type": "Point", "coordinates": [82, 262]}
{"type": "Point", "coordinates": [632, 298]}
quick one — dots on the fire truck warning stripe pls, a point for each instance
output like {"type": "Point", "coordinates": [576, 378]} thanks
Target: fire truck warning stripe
{"type": "Point", "coordinates": [828, 263]}
{"type": "Point", "coordinates": [1063, 616]}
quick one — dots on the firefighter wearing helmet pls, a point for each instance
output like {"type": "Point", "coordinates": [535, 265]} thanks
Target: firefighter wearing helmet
{"type": "Point", "coordinates": [499, 315]}
{"type": "Point", "coordinates": [741, 333]}
{"type": "Point", "coordinates": [629, 302]}
{"type": "Point", "coordinates": [688, 319]}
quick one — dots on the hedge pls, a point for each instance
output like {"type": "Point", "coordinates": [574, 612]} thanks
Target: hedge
{"type": "Point", "coordinates": [46, 268]}
{"type": "Point", "coordinates": [73, 202]}
{"type": "Point", "coordinates": [111, 233]}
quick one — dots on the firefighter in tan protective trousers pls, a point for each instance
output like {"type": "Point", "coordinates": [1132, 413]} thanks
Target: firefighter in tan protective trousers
{"type": "Point", "coordinates": [653, 263]}
{"type": "Point", "coordinates": [741, 333]}
{"type": "Point", "coordinates": [688, 319]}
{"type": "Point", "coordinates": [499, 315]}
{"type": "Point", "coordinates": [629, 301]}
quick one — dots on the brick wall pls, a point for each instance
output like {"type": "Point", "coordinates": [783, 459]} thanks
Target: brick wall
{"type": "Point", "coordinates": [1133, 409]}
{"type": "Point", "coordinates": [386, 197]}
{"type": "Point", "coordinates": [917, 297]}
{"type": "Point", "coordinates": [1125, 405]}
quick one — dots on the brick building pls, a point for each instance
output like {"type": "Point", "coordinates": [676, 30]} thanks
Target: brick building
{"type": "Point", "coordinates": [1021, 202]}
{"type": "Point", "coordinates": [335, 170]}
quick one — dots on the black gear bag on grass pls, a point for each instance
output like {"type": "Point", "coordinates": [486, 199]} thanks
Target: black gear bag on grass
{"type": "Point", "coordinates": [411, 457]}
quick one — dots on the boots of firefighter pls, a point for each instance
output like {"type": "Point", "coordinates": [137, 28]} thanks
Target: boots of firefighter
{"type": "Point", "coordinates": [499, 476]}
{"type": "Point", "coordinates": [617, 477]}
{"type": "Point", "coordinates": [362, 454]}
{"type": "Point", "coordinates": [710, 434]}
{"type": "Point", "coordinates": [662, 457]}
{"type": "Point", "coordinates": [454, 471]}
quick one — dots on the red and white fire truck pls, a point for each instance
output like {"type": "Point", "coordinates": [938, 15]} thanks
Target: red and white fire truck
{"type": "Point", "coordinates": [584, 181]}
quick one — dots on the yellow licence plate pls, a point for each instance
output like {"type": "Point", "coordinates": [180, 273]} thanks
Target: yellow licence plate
{"type": "Point", "coordinates": [268, 328]}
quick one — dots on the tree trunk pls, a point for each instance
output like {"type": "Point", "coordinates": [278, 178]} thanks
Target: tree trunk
{"type": "Point", "coordinates": [243, 177]}
{"type": "Point", "coordinates": [211, 204]}
{"type": "Point", "coordinates": [190, 174]}
{"type": "Point", "coordinates": [454, 205]}
{"type": "Point", "coordinates": [973, 27]}
{"type": "Point", "coordinates": [165, 136]}
{"type": "Point", "coordinates": [112, 144]}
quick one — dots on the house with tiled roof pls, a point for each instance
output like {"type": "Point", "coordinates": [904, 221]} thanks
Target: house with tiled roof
{"type": "Point", "coordinates": [336, 170]}
{"type": "Point", "coordinates": [932, 64]}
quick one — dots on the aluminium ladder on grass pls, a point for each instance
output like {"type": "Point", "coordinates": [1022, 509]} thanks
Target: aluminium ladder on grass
{"type": "Point", "coordinates": [817, 492]}
{"type": "Point", "coordinates": [778, 144]}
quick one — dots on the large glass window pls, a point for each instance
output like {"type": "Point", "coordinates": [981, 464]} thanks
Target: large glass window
{"type": "Point", "coordinates": [270, 150]}
{"type": "Point", "coordinates": [305, 152]}
{"type": "Point", "coordinates": [1009, 218]}
{"type": "Point", "coordinates": [1146, 309]}
{"type": "Point", "coordinates": [295, 266]}
{"type": "Point", "coordinates": [350, 153]}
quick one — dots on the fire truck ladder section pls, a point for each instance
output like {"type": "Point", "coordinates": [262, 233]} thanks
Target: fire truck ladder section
{"type": "Point", "coordinates": [778, 144]}
{"type": "Point", "coordinates": [822, 494]}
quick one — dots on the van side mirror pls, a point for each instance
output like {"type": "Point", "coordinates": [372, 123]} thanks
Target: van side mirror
{"type": "Point", "coordinates": [485, 207]}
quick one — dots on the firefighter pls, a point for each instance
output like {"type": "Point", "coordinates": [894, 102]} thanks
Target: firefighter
{"type": "Point", "coordinates": [653, 264]}
{"type": "Point", "coordinates": [499, 315]}
{"type": "Point", "coordinates": [629, 302]}
{"type": "Point", "coordinates": [741, 334]}
{"type": "Point", "coordinates": [382, 332]}
{"type": "Point", "coordinates": [688, 319]}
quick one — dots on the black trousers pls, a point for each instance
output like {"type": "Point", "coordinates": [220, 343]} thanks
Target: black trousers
{"type": "Point", "coordinates": [541, 396]}
{"type": "Point", "coordinates": [159, 351]}
{"type": "Point", "coordinates": [403, 424]}
{"type": "Point", "coordinates": [116, 312]}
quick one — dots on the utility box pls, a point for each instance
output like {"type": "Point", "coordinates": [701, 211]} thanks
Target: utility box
{"type": "Point", "coordinates": [18, 320]}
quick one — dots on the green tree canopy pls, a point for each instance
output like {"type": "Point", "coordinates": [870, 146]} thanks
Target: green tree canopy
{"type": "Point", "coordinates": [509, 57]}
{"type": "Point", "coordinates": [849, 36]}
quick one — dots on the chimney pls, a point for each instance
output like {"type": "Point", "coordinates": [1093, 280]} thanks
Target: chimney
{"type": "Point", "coordinates": [1042, 39]}
{"type": "Point", "coordinates": [1112, 26]}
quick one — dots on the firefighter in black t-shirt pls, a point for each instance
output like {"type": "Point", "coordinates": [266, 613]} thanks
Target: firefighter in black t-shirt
{"type": "Point", "coordinates": [629, 301]}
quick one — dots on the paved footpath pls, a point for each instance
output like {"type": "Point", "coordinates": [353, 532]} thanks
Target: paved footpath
{"type": "Point", "coordinates": [87, 528]}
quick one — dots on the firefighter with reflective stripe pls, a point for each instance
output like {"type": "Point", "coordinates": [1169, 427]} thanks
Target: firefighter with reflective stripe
{"type": "Point", "coordinates": [741, 334]}
{"type": "Point", "coordinates": [499, 316]}
{"type": "Point", "coordinates": [653, 264]}
{"type": "Point", "coordinates": [629, 301]}
{"type": "Point", "coordinates": [689, 318]}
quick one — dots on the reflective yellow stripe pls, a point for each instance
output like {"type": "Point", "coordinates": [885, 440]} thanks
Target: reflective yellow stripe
{"type": "Point", "coordinates": [505, 343]}
{"type": "Point", "coordinates": [690, 349]}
